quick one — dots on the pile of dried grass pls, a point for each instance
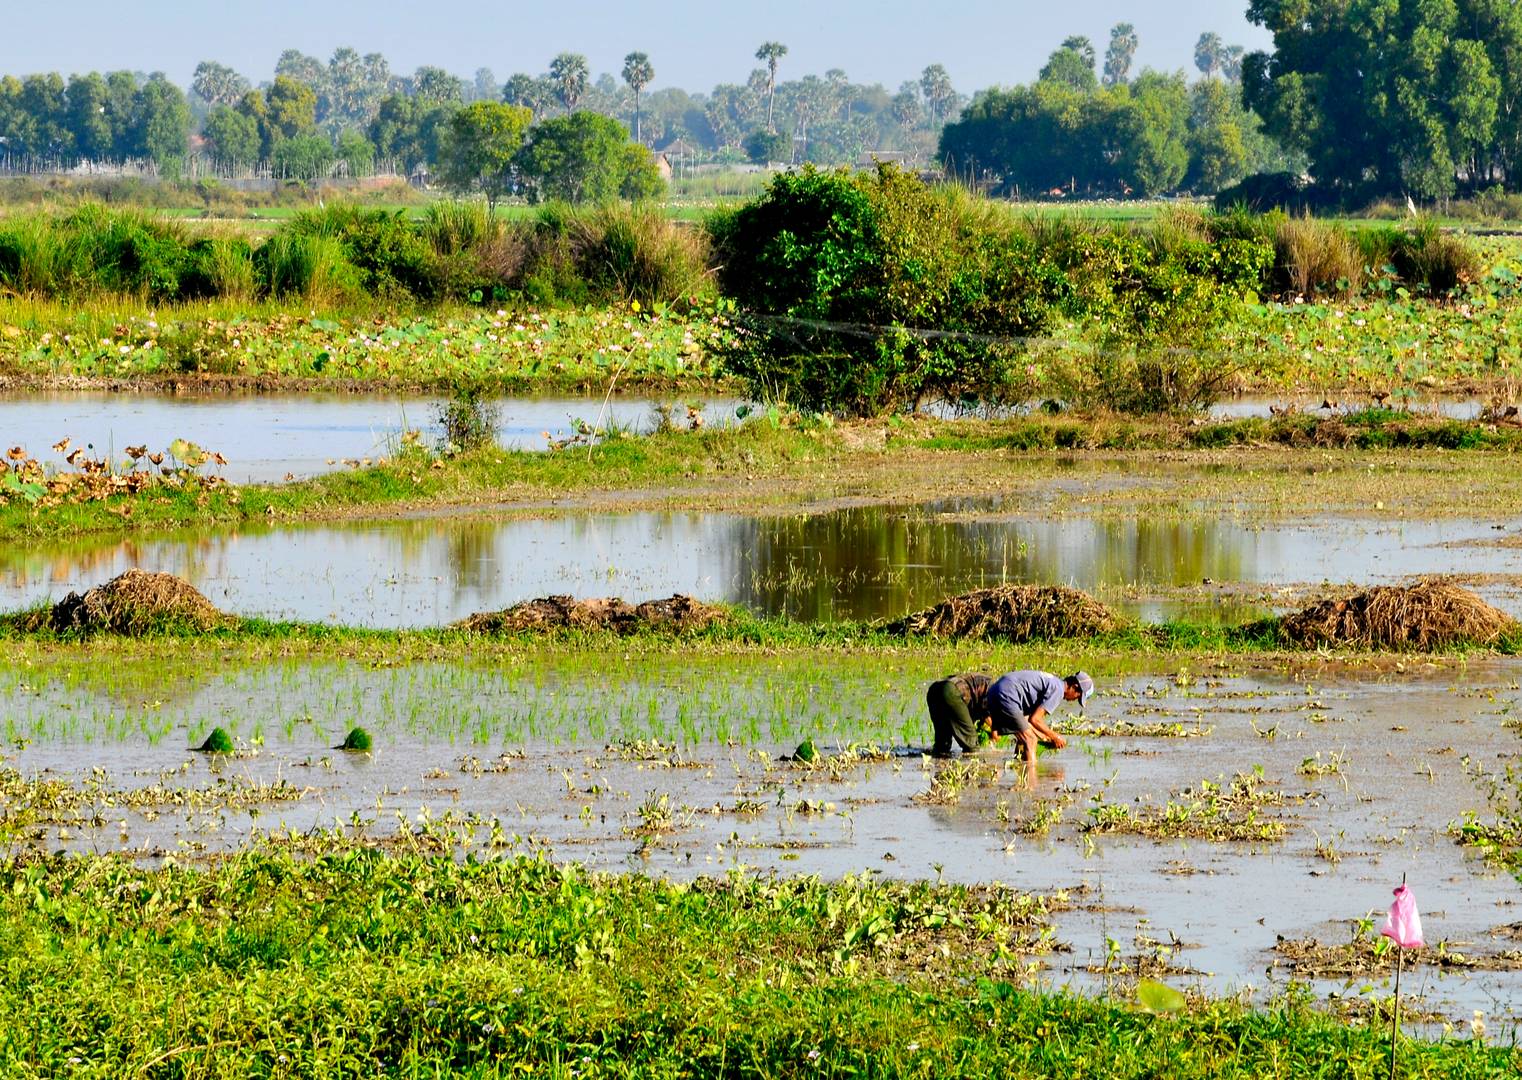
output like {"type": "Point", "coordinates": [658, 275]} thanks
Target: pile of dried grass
{"type": "Point", "coordinates": [1014, 613]}
{"type": "Point", "coordinates": [676, 614]}
{"type": "Point", "coordinates": [1429, 614]}
{"type": "Point", "coordinates": [137, 602]}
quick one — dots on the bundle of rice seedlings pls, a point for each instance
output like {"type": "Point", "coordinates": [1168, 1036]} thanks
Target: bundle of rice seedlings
{"type": "Point", "coordinates": [1429, 614]}
{"type": "Point", "coordinates": [1014, 613]}
{"type": "Point", "coordinates": [137, 602]}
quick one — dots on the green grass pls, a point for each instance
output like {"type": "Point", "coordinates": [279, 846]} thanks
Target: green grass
{"type": "Point", "coordinates": [742, 633]}
{"type": "Point", "coordinates": [316, 957]}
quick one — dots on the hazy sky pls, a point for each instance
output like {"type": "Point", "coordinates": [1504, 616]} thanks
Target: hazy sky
{"type": "Point", "coordinates": [692, 44]}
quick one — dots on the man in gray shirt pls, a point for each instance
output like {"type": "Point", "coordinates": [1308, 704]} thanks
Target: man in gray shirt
{"type": "Point", "coordinates": [1020, 702]}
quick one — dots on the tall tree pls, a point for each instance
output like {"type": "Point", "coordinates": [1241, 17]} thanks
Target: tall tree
{"type": "Point", "coordinates": [1120, 54]}
{"type": "Point", "coordinates": [1391, 97]}
{"type": "Point", "coordinates": [536, 94]}
{"type": "Point", "coordinates": [584, 157]}
{"type": "Point", "coordinates": [162, 130]}
{"type": "Point", "coordinates": [233, 136]}
{"type": "Point", "coordinates": [295, 64]}
{"type": "Point", "coordinates": [1070, 67]}
{"type": "Point", "coordinates": [479, 148]}
{"type": "Point", "coordinates": [88, 121]}
{"type": "Point", "coordinates": [218, 84]}
{"type": "Point", "coordinates": [638, 71]}
{"type": "Point", "coordinates": [569, 73]}
{"type": "Point", "coordinates": [484, 87]}
{"type": "Point", "coordinates": [935, 84]}
{"type": "Point", "coordinates": [435, 85]}
{"type": "Point", "coordinates": [1209, 54]}
{"type": "Point", "coordinates": [1082, 46]}
{"type": "Point", "coordinates": [770, 53]}
{"type": "Point", "coordinates": [905, 106]}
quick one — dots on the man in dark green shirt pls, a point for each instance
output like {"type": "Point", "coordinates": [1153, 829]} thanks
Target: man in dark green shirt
{"type": "Point", "coordinates": [958, 707]}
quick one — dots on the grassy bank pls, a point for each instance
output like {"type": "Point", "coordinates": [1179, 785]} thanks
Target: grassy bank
{"type": "Point", "coordinates": [1380, 463]}
{"type": "Point", "coordinates": [743, 634]}
{"type": "Point", "coordinates": [316, 957]}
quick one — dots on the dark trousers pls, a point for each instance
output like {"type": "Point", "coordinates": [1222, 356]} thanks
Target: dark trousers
{"type": "Point", "coordinates": [950, 718]}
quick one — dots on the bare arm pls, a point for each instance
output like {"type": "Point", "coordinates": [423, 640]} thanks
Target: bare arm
{"type": "Point", "coordinates": [1038, 722]}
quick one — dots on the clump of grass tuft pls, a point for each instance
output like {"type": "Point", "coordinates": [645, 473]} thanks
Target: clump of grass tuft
{"type": "Point", "coordinates": [1312, 256]}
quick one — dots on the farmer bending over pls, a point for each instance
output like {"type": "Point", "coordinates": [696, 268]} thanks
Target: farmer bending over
{"type": "Point", "coordinates": [1018, 702]}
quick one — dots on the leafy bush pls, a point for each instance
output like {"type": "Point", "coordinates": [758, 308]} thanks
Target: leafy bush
{"type": "Point", "coordinates": [863, 294]}
{"type": "Point", "coordinates": [389, 252]}
{"type": "Point", "coordinates": [840, 276]}
{"type": "Point", "coordinates": [1263, 192]}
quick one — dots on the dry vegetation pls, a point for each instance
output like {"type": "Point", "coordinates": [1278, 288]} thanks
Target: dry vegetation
{"type": "Point", "coordinates": [1014, 613]}
{"type": "Point", "coordinates": [1427, 615]}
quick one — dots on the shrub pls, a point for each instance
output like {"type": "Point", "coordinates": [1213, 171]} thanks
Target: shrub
{"type": "Point", "coordinates": [861, 294]}
{"type": "Point", "coordinates": [388, 252]}
{"type": "Point", "coordinates": [840, 276]}
{"type": "Point", "coordinates": [457, 226]}
{"type": "Point", "coordinates": [469, 419]}
{"type": "Point", "coordinates": [1263, 192]}
{"type": "Point", "coordinates": [306, 265]}
{"type": "Point", "coordinates": [1436, 262]}
{"type": "Point", "coordinates": [1316, 256]}
{"type": "Point", "coordinates": [638, 253]}
{"type": "Point", "coordinates": [220, 266]}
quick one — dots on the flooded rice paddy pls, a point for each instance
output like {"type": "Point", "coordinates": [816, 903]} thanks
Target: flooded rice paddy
{"type": "Point", "coordinates": [857, 562]}
{"type": "Point", "coordinates": [267, 438]}
{"type": "Point", "coordinates": [675, 766]}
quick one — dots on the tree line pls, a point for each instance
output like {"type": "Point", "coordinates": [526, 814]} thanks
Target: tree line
{"type": "Point", "coordinates": [1415, 96]}
{"type": "Point", "coordinates": [1082, 129]}
{"type": "Point", "coordinates": [354, 110]}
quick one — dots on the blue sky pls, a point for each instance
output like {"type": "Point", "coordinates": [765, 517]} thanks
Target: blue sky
{"type": "Point", "coordinates": [692, 44]}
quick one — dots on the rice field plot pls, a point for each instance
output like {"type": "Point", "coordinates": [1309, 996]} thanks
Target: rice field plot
{"type": "Point", "coordinates": [684, 767]}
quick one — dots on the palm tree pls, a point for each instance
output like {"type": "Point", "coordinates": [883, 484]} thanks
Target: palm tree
{"type": "Point", "coordinates": [1082, 46]}
{"type": "Point", "coordinates": [935, 82]}
{"type": "Point", "coordinates": [1208, 53]}
{"type": "Point", "coordinates": [1122, 50]}
{"type": "Point", "coordinates": [770, 52]}
{"type": "Point", "coordinates": [568, 72]}
{"type": "Point", "coordinates": [638, 71]}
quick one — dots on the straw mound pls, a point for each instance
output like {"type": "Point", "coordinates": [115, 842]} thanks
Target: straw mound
{"type": "Point", "coordinates": [135, 603]}
{"type": "Point", "coordinates": [675, 613]}
{"type": "Point", "coordinates": [1012, 612]}
{"type": "Point", "coordinates": [1429, 614]}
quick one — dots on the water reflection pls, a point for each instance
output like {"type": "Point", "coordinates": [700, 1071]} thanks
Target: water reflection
{"type": "Point", "coordinates": [861, 562]}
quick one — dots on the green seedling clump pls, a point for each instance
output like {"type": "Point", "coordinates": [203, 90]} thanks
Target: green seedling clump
{"type": "Point", "coordinates": [218, 742]}
{"type": "Point", "coordinates": [357, 740]}
{"type": "Point", "coordinates": [807, 752]}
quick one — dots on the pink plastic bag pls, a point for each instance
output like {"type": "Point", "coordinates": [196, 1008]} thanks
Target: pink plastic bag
{"type": "Point", "coordinates": [1403, 925]}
